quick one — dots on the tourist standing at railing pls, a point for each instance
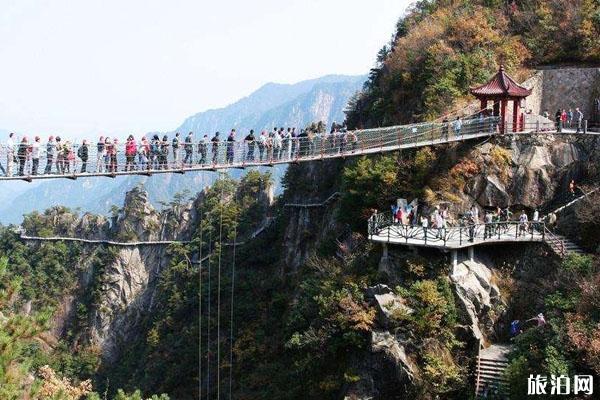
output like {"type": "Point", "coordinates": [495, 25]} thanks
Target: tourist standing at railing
{"type": "Point", "coordinates": [489, 227]}
{"type": "Point", "coordinates": [188, 147]}
{"type": "Point", "coordinates": [50, 155]}
{"type": "Point", "coordinates": [249, 141]}
{"type": "Point", "coordinates": [130, 152]}
{"type": "Point", "coordinates": [523, 223]}
{"type": "Point", "coordinates": [114, 156]}
{"type": "Point", "coordinates": [425, 225]}
{"type": "Point", "coordinates": [278, 145]}
{"type": "Point", "coordinates": [154, 152]}
{"type": "Point", "coordinates": [262, 143]}
{"type": "Point", "coordinates": [66, 156]}
{"type": "Point", "coordinates": [295, 144]}
{"type": "Point", "coordinates": [439, 223]}
{"type": "Point", "coordinates": [563, 118]}
{"type": "Point", "coordinates": [10, 153]}
{"type": "Point", "coordinates": [22, 154]}
{"type": "Point", "coordinates": [557, 119]}
{"type": "Point", "coordinates": [286, 143]}
{"type": "Point", "coordinates": [106, 153]}
{"type": "Point", "coordinates": [578, 119]}
{"type": "Point", "coordinates": [535, 224]}
{"type": "Point", "coordinates": [175, 142]}
{"type": "Point", "coordinates": [164, 153]}
{"type": "Point", "coordinates": [59, 155]}
{"type": "Point", "coordinates": [143, 154]}
{"type": "Point", "coordinates": [100, 154]}
{"type": "Point", "coordinates": [215, 148]}
{"type": "Point", "coordinates": [35, 155]}
{"type": "Point", "coordinates": [230, 151]}
{"type": "Point", "coordinates": [570, 117]}
{"type": "Point", "coordinates": [203, 149]}
{"type": "Point", "coordinates": [83, 153]}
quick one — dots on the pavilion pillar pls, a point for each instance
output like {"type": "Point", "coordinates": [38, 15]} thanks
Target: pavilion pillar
{"type": "Point", "coordinates": [483, 104]}
{"type": "Point", "coordinates": [454, 255]}
{"type": "Point", "coordinates": [503, 105]}
{"type": "Point", "coordinates": [515, 115]}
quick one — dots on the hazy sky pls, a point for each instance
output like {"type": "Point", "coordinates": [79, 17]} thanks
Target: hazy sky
{"type": "Point", "coordinates": [87, 67]}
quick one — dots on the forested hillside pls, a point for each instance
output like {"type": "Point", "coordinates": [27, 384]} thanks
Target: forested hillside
{"type": "Point", "coordinates": [309, 308]}
{"type": "Point", "coordinates": [442, 47]}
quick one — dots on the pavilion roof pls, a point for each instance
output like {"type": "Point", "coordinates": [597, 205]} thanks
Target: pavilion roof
{"type": "Point", "coordinates": [501, 85]}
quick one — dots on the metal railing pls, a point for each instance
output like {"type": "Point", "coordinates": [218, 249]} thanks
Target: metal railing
{"type": "Point", "coordinates": [385, 229]}
{"type": "Point", "coordinates": [111, 160]}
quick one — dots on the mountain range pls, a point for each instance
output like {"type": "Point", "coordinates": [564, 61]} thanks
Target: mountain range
{"type": "Point", "coordinates": [274, 104]}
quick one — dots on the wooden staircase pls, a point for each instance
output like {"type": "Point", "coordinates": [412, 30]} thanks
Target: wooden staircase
{"type": "Point", "coordinates": [489, 374]}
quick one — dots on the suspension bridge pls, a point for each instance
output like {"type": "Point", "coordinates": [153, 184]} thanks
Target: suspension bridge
{"type": "Point", "coordinates": [242, 154]}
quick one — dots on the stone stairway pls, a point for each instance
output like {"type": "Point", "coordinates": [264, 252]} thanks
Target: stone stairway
{"type": "Point", "coordinates": [562, 245]}
{"type": "Point", "coordinates": [489, 374]}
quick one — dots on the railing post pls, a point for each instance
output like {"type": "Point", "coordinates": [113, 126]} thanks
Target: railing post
{"type": "Point", "coordinates": [585, 126]}
{"type": "Point", "coordinates": [537, 125]}
{"type": "Point", "coordinates": [460, 235]}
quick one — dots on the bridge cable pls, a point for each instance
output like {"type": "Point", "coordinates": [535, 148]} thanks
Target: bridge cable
{"type": "Point", "coordinates": [219, 288]}
{"type": "Point", "coordinates": [208, 312]}
{"type": "Point", "coordinates": [200, 313]}
{"type": "Point", "coordinates": [235, 225]}
{"type": "Point", "coordinates": [200, 293]}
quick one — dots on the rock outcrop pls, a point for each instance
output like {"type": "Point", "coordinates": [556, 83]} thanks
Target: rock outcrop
{"type": "Point", "coordinates": [476, 293]}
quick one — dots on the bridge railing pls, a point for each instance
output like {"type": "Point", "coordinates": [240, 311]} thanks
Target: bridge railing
{"type": "Point", "coordinates": [112, 159]}
{"type": "Point", "coordinates": [386, 229]}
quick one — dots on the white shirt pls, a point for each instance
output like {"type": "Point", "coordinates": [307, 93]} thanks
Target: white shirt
{"type": "Point", "coordinates": [35, 150]}
{"type": "Point", "coordinates": [536, 216]}
{"type": "Point", "coordinates": [10, 144]}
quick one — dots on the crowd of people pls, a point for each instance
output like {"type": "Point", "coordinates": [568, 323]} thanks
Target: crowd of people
{"type": "Point", "coordinates": [495, 222]}
{"type": "Point", "coordinates": [109, 155]}
{"type": "Point", "coordinates": [564, 118]}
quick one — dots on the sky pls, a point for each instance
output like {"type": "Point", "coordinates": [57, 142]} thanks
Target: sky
{"type": "Point", "coordinates": [131, 66]}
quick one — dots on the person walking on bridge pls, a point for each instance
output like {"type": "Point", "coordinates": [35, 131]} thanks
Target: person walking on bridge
{"type": "Point", "coordinates": [50, 155]}
{"type": "Point", "coordinates": [557, 119]}
{"type": "Point", "coordinates": [35, 155]}
{"type": "Point", "coordinates": [10, 154]}
{"type": "Point", "coordinates": [578, 119]}
{"type": "Point", "coordinates": [203, 149]}
{"type": "Point", "coordinates": [82, 153]}
{"type": "Point", "coordinates": [100, 154]}
{"type": "Point", "coordinates": [230, 147]}
{"type": "Point", "coordinates": [457, 126]}
{"type": "Point", "coordinates": [143, 154]}
{"type": "Point", "coordinates": [175, 146]}
{"type": "Point", "coordinates": [216, 141]}
{"type": "Point", "coordinates": [130, 152]}
{"type": "Point", "coordinates": [188, 147]}
{"type": "Point", "coordinates": [22, 154]}
{"type": "Point", "coordinates": [249, 140]}
{"type": "Point", "coordinates": [523, 222]}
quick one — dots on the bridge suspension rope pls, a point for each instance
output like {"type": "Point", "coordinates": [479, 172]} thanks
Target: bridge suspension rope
{"type": "Point", "coordinates": [219, 287]}
{"type": "Point", "coordinates": [231, 326]}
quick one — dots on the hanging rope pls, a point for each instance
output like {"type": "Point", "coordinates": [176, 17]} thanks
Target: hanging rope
{"type": "Point", "coordinates": [200, 296]}
{"type": "Point", "coordinates": [219, 290]}
{"type": "Point", "coordinates": [235, 223]}
{"type": "Point", "coordinates": [208, 313]}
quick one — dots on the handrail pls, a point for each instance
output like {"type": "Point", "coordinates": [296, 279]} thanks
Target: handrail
{"type": "Point", "coordinates": [462, 235]}
{"type": "Point", "coordinates": [310, 205]}
{"type": "Point", "coordinates": [241, 154]}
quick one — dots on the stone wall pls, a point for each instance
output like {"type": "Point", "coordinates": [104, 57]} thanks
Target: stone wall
{"type": "Point", "coordinates": [563, 88]}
